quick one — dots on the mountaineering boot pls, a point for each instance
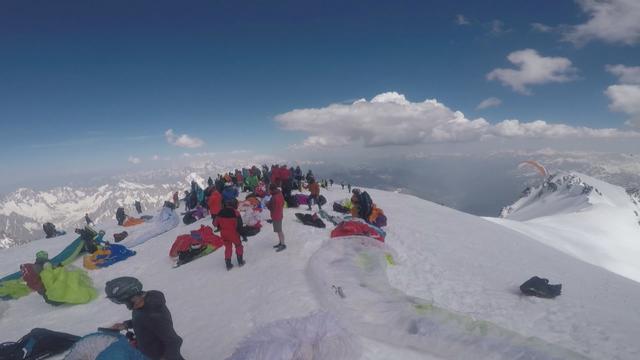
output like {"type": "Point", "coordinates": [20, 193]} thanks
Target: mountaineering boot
{"type": "Point", "coordinates": [276, 246]}
{"type": "Point", "coordinates": [281, 247]}
{"type": "Point", "coordinates": [229, 264]}
{"type": "Point", "coordinates": [240, 260]}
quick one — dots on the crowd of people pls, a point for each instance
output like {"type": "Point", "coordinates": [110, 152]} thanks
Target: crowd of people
{"type": "Point", "coordinates": [153, 332]}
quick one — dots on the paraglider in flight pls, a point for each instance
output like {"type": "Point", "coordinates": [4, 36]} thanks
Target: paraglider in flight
{"type": "Point", "coordinates": [539, 168]}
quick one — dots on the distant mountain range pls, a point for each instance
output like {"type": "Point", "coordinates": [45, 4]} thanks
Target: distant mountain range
{"type": "Point", "coordinates": [23, 211]}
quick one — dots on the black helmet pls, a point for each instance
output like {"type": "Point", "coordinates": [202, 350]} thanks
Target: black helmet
{"type": "Point", "coordinates": [121, 290]}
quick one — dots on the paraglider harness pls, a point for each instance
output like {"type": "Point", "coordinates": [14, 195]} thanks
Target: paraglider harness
{"type": "Point", "coordinates": [130, 335]}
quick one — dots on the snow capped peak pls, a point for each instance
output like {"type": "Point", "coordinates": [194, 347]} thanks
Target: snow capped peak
{"type": "Point", "coordinates": [585, 217]}
{"type": "Point", "coordinates": [133, 186]}
{"type": "Point", "coordinates": [564, 192]}
{"type": "Point", "coordinates": [197, 178]}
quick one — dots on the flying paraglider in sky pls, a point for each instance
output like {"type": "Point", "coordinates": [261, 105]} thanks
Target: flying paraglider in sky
{"type": "Point", "coordinates": [536, 165]}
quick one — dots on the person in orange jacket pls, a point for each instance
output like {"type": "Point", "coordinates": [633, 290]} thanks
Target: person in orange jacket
{"type": "Point", "coordinates": [314, 197]}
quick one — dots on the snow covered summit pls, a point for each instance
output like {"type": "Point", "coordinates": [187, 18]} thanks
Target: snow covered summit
{"type": "Point", "coordinates": [582, 216]}
{"type": "Point", "coordinates": [451, 292]}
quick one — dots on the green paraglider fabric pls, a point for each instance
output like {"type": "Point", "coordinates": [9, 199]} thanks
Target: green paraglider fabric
{"type": "Point", "coordinates": [68, 285]}
{"type": "Point", "coordinates": [13, 289]}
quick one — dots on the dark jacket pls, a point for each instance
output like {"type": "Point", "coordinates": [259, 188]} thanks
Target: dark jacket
{"type": "Point", "coordinates": [153, 327]}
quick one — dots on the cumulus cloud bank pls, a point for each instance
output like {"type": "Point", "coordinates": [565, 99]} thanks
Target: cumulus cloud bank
{"type": "Point", "coordinates": [390, 119]}
{"type": "Point", "coordinates": [183, 140]}
{"type": "Point", "coordinates": [611, 21]}
{"type": "Point", "coordinates": [625, 97]}
{"type": "Point", "coordinates": [533, 69]}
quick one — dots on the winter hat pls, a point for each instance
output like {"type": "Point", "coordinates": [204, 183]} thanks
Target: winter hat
{"type": "Point", "coordinates": [42, 256]}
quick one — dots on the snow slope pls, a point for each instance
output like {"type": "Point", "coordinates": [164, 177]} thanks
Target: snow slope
{"type": "Point", "coordinates": [587, 218]}
{"type": "Point", "coordinates": [462, 265]}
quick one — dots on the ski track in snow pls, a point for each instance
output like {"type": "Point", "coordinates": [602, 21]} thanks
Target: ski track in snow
{"type": "Point", "coordinates": [460, 263]}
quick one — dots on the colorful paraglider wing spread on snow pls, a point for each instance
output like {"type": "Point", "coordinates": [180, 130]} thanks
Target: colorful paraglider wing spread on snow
{"type": "Point", "coordinates": [13, 289]}
{"type": "Point", "coordinates": [107, 256]}
{"type": "Point", "coordinates": [67, 285]}
{"type": "Point", "coordinates": [103, 346]}
{"type": "Point", "coordinates": [131, 221]}
{"type": "Point", "coordinates": [352, 227]}
{"type": "Point", "coordinates": [69, 254]}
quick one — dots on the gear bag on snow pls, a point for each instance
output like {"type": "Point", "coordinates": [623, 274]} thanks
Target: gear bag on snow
{"type": "Point", "coordinates": [366, 205]}
{"type": "Point", "coordinates": [37, 344]}
{"type": "Point", "coordinates": [49, 229]}
{"type": "Point", "coordinates": [540, 287]}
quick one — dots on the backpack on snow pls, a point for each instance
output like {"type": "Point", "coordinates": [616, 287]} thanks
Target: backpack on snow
{"type": "Point", "coordinates": [540, 287]}
{"type": "Point", "coordinates": [188, 218]}
{"type": "Point", "coordinates": [322, 200]}
{"type": "Point", "coordinates": [37, 344]}
{"type": "Point", "coordinates": [49, 229]}
{"type": "Point", "coordinates": [366, 205]}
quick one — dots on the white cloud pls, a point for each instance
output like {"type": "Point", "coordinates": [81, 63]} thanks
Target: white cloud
{"type": "Point", "coordinates": [489, 102]}
{"type": "Point", "coordinates": [497, 27]}
{"type": "Point", "coordinates": [533, 69]}
{"type": "Point", "coordinates": [390, 119]}
{"type": "Point", "coordinates": [183, 140]}
{"type": "Point", "coordinates": [612, 21]}
{"type": "Point", "coordinates": [134, 160]}
{"type": "Point", "coordinates": [625, 98]}
{"type": "Point", "coordinates": [625, 74]}
{"type": "Point", "coordinates": [539, 27]}
{"type": "Point", "coordinates": [155, 157]}
{"type": "Point", "coordinates": [461, 20]}
{"type": "Point", "coordinates": [541, 129]}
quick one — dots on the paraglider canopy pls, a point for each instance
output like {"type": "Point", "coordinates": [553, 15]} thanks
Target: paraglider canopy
{"type": "Point", "coordinates": [536, 165]}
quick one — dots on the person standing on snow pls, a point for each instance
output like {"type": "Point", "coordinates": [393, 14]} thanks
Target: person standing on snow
{"type": "Point", "coordinates": [88, 219]}
{"type": "Point", "coordinates": [314, 197]}
{"type": "Point", "coordinates": [276, 206]}
{"type": "Point", "coordinates": [150, 318]}
{"type": "Point", "coordinates": [229, 222]}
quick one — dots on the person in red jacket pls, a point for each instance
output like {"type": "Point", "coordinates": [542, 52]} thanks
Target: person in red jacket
{"type": "Point", "coordinates": [229, 222]}
{"type": "Point", "coordinates": [275, 206]}
{"type": "Point", "coordinates": [215, 203]}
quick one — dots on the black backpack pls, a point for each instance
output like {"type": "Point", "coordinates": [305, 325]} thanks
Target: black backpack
{"type": "Point", "coordinates": [49, 229]}
{"type": "Point", "coordinates": [188, 218]}
{"type": "Point", "coordinates": [540, 287]}
{"type": "Point", "coordinates": [170, 205]}
{"type": "Point", "coordinates": [366, 205]}
{"type": "Point", "coordinates": [37, 344]}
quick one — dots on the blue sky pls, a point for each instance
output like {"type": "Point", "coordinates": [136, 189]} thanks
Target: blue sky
{"type": "Point", "coordinates": [84, 86]}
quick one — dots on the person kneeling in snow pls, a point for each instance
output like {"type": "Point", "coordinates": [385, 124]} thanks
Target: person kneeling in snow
{"type": "Point", "coordinates": [150, 318]}
{"type": "Point", "coordinates": [229, 222]}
